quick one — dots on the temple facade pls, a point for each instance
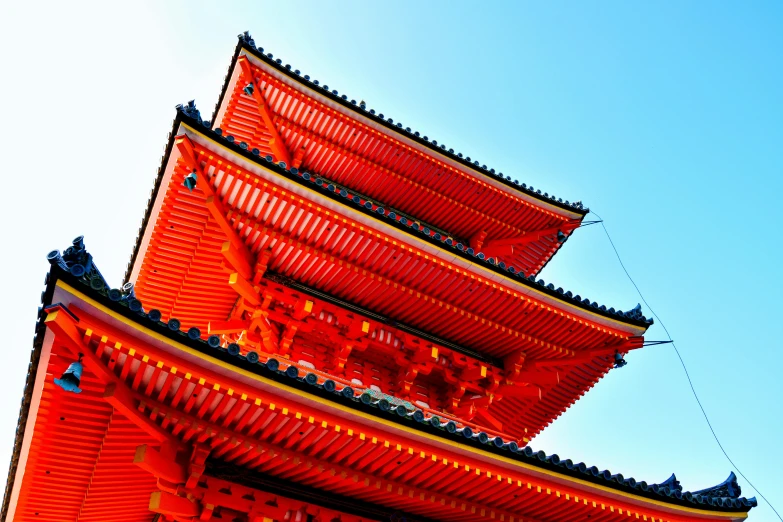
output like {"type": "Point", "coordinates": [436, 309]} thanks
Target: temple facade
{"type": "Point", "coordinates": [327, 317]}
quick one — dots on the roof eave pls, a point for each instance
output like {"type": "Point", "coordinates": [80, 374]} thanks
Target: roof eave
{"type": "Point", "coordinates": [396, 132]}
{"type": "Point", "coordinates": [538, 286]}
{"type": "Point", "coordinates": [549, 464]}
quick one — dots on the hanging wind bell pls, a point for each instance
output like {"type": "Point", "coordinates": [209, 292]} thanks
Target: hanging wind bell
{"type": "Point", "coordinates": [70, 379]}
{"type": "Point", "coordinates": [190, 181]}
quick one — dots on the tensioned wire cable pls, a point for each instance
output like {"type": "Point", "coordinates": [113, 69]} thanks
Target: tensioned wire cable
{"type": "Point", "coordinates": [687, 375]}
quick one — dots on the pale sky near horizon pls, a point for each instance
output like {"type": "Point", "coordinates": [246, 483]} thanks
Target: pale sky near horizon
{"type": "Point", "coordinates": [665, 118]}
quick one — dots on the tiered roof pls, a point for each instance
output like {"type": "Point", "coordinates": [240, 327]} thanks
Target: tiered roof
{"type": "Point", "coordinates": [148, 381]}
{"type": "Point", "coordinates": [332, 315]}
{"type": "Point", "coordinates": [334, 242]}
{"type": "Point", "coordinates": [311, 127]}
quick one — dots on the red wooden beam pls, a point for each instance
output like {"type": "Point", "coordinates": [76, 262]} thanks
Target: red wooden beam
{"type": "Point", "coordinates": [474, 373]}
{"type": "Point", "coordinates": [477, 240]}
{"type": "Point", "coordinates": [160, 465]}
{"type": "Point", "coordinates": [287, 336]}
{"type": "Point", "coordinates": [238, 259]}
{"type": "Point", "coordinates": [212, 201]}
{"type": "Point", "coordinates": [426, 354]}
{"type": "Point", "coordinates": [261, 265]}
{"type": "Point", "coordinates": [489, 419]}
{"type": "Point", "coordinates": [303, 308]}
{"type": "Point", "coordinates": [357, 328]}
{"type": "Point", "coordinates": [269, 335]}
{"type": "Point", "coordinates": [173, 505]}
{"type": "Point", "coordinates": [299, 156]}
{"type": "Point", "coordinates": [227, 327]}
{"type": "Point", "coordinates": [245, 289]}
{"type": "Point", "coordinates": [277, 144]}
{"type": "Point", "coordinates": [122, 400]}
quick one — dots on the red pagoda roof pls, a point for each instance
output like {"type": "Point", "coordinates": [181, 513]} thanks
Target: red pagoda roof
{"type": "Point", "coordinates": [303, 123]}
{"type": "Point", "coordinates": [362, 342]}
{"type": "Point", "coordinates": [318, 235]}
{"type": "Point", "coordinates": [147, 386]}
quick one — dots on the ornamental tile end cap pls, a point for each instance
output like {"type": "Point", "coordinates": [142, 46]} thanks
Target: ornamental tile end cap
{"type": "Point", "coordinates": [729, 488]}
{"type": "Point", "coordinates": [246, 38]}
{"type": "Point", "coordinates": [672, 483]}
{"type": "Point", "coordinates": [189, 109]}
{"type": "Point", "coordinates": [76, 261]}
{"type": "Point", "coordinates": [636, 313]}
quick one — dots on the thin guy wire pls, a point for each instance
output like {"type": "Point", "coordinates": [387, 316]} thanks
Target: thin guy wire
{"type": "Point", "coordinates": [687, 375]}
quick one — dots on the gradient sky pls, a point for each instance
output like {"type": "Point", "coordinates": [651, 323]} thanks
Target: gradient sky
{"type": "Point", "coordinates": [665, 118]}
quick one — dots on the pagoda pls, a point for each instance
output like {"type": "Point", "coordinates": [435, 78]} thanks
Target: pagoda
{"type": "Point", "coordinates": [327, 317]}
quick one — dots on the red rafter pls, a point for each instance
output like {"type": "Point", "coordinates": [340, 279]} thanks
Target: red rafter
{"type": "Point", "coordinates": [276, 143]}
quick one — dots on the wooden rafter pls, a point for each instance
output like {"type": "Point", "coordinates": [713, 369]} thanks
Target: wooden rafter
{"type": "Point", "coordinates": [277, 144]}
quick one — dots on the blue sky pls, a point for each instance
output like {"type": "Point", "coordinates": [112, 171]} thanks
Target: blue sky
{"type": "Point", "coordinates": [665, 118]}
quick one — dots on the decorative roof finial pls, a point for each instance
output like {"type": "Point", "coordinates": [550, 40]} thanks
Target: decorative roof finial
{"type": "Point", "coordinates": [189, 109]}
{"type": "Point", "coordinates": [636, 313]}
{"type": "Point", "coordinates": [78, 262]}
{"type": "Point", "coordinates": [728, 488]}
{"type": "Point", "coordinates": [672, 483]}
